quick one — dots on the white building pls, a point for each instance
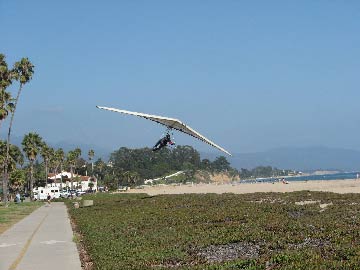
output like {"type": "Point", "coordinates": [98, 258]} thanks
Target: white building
{"type": "Point", "coordinates": [80, 182]}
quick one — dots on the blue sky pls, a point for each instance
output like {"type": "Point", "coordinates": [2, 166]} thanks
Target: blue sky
{"type": "Point", "coordinates": [250, 75]}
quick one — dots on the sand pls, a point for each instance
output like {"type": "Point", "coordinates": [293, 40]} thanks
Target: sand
{"type": "Point", "coordinates": [337, 186]}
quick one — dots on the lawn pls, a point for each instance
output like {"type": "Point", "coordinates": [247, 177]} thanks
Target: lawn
{"type": "Point", "coordinates": [300, 230]}
{"type": "Point", "coordinates": [15, 212]}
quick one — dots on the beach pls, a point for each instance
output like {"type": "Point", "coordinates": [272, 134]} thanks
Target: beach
{"type": "Point", "coordinates": [336, 186]}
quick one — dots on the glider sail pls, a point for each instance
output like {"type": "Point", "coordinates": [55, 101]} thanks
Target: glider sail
{"type": "Point", "coordinates": [171, 123]}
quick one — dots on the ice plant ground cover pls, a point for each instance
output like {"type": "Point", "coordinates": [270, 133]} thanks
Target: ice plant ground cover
{"type": "Point", "coordinates": [299, 230]}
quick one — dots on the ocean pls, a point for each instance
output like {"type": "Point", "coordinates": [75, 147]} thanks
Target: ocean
{"type": "Point", "coordinates": [335, 176]}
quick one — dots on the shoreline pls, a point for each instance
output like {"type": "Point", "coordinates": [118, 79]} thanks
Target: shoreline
{"type": "Point", "coordinates": [336, 186]}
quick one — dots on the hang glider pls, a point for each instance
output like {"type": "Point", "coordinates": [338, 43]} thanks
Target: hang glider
{"type": "Point", "coordinates": [170, 123]}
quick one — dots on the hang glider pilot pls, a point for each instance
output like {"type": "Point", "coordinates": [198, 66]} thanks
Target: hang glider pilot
{"type": "Point", "coordinates": [163, 142]}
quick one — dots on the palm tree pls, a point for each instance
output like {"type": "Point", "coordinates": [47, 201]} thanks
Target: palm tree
{"type": "Point", "coordinates": [15, 157]}
{"type": "Point", "coordinates": [46, 153]}
{"type": "Point", "coordinates": [22, 72]}
{"type": "Point", "coordinates": [31, 147]}
{"type": "Point", "coordinates": [58, 161]}
{"type": "Point", "coordinates": [91, 155]}
{"type": "Point", "coordinates": [72, 157]}
{"type": "Point", "coordinates": [6, 77]}
{"type": "Point", "coordinates": [100, 165]}
{"type": "Point", "coordinates": [6, 106]}
{"type": "Point", "coordinates": [17, 179]}
{"type": "Point", "coordinates": [2, 152]}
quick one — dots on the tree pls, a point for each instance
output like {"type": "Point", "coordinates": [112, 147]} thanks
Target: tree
{"type": "Point", "coordinates": [131, 178]}
{"type": "Point", "coordinates": [91, 155]}
{"type": "Point", "coordinates": [262, 171]}
{"type": "Point", "coordinates": [31, 147]}
{"type": "Point", "coordinates": [17, 179]}
{"type": "Point", "coordinates": [185, 154]}
{"type": "Point", "coordinates": [58, 161]}
{"type": "Point", "coordinates": [72, 157]}
{"type": "Point", "coordinates": [46, 153]}
{"type": "Point", "coordinates": [111, 182]}
{"type": "Point", "coordinates": [6, 78]}
{"type": "Point", "coordinates": [134, 179]}
{"type": "Point", "coordinates": [245, 173]}
{"type": "Point", "coordinates": [22, 72]}
{"type": "Point", "coordinates": [221, 164]}
{"type": "Point", "coordinates": [6, 106]}
{"type": "Point", "coordinates": [100, 165]}
{"type": "Point", "coordinates": [16, 157]}
{"type": "Point", "coordinates": [205, 164]}
{"type": "Point", "coordinates": [80, 166]}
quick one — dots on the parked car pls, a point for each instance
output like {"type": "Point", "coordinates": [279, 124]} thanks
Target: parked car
{"type": "Point", "coordinates": [64, 194]}
{"type": "Point", "coordinates": [80, 192]}
{"type": "Point", "coordinates": [123, 188]}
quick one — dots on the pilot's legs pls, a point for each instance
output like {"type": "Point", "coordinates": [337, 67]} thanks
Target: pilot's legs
{"type": "Point", "coordinates": [157, 146]}
{"type": "Point", "coordinates": [160, 144]}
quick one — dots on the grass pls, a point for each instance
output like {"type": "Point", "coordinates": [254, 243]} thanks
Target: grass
{"type": "Point", "coordinates": [15, 212]}
{"type": "Point", "coordinates": [228, 231]}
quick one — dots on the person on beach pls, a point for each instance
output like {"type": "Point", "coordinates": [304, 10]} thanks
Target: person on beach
{"type": "Point", "coordinates": [17, 197]}
{"type": "Point", "coordinates": [284, 181]}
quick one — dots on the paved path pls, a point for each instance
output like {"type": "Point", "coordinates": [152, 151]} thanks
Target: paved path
{"type": "Point", "coordinates": [41, 241]}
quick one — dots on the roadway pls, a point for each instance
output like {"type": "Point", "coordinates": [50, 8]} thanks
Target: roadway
{"type": "Point", "coordinates": [43, 240]}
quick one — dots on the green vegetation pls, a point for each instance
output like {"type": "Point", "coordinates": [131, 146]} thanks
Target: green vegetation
{"type": "Point", "coordinates": [228, 231]}
{"type": "Point", "coordinates": [15, 212]}
{"type": "Point", "coordinates": [131, 166]}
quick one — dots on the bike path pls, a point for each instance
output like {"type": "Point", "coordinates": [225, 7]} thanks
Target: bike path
{"type": "Point", "coordinates": [42, 240]}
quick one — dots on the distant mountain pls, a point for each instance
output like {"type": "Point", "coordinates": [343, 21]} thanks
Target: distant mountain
{"type": "Point", "coordinates": [303, 159]}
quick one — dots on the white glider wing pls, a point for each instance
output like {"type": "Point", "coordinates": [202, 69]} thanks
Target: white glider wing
{"type": "Point", "coordinates": [170, 123]}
